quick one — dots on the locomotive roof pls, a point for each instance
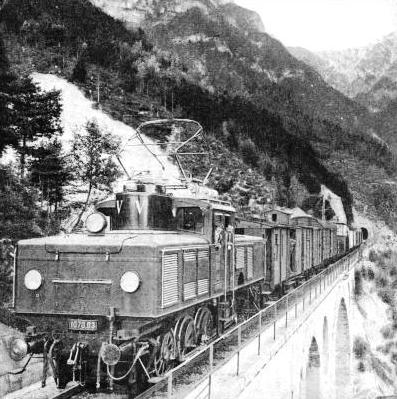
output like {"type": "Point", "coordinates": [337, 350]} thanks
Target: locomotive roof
{"type": "Point", "coordinates": [114, 241]}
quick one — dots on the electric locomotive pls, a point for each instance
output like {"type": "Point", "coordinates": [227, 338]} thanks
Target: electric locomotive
{"type": "Point", "coordinates": [153, 277]}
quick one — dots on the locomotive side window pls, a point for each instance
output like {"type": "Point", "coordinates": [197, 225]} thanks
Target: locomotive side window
{"type": "Point", "coordinates": [220, 222]}
{"type": "Point", "coordinates": [190, 219]}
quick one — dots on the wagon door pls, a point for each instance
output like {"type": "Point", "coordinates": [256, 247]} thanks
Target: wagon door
{"type": "Point", "coordinates": [298, 251]}
{"type": "Point", "coordinates": [268, 250]}
{"type": "Point", "coordinates": [276, 256]}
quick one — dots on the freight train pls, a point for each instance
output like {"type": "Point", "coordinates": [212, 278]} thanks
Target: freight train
{"type": "Point", "coordinates": [153, 276]}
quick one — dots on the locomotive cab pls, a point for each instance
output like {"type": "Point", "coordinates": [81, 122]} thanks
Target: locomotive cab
{"type": "Point", "coordinates": [142, 207]}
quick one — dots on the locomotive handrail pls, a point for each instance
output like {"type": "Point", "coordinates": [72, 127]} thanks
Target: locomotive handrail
{"type": "Point", "coordinates": [238, 328]}
{"type": "Point", "coordinates": [96, 252]}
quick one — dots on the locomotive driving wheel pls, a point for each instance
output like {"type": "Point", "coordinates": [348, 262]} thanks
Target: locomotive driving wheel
{"type": "Point", "coordinates": [204, 325]}
{"type": "Point", "coordinates": [185, 336]}
{"type": "Point", "coordinates": [165, 355]}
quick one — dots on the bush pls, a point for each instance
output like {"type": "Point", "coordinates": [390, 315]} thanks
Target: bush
{"type": "Point", "coordinates": [381, 263]}
{"type": "Point", "coordinates": [224, 185]}
{"type": "Point", "coordinates": [381, 280]}
{"type": "Point", "coordinates": [368, 273]}
{"type": "Point", "coordinates": [373, 256]}
{"type": "Point", "coordinates": [394, 318]}
{"type": "Point", "coordinates": [393, 271]}
{"type": "Point", "coordinates": [387, 332]}
{"type": "Point", "coordinates": [360, 348]}
{"type": "Point", "coordinates": [387, 295]}
{"type": "Point", "coordinates": [387, 254]}
{"type": "Point", "coordinates": [249, 152]}
{"type": "Point", "coordinates": [358, 283]}
{"type": "Point", "coordinates": [361, 367]}
{"type": "Point", "coordinates": [80, 71]}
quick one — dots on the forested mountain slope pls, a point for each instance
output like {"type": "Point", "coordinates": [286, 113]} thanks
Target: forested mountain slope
{"type": "Point", "coordinates": [209, 62]}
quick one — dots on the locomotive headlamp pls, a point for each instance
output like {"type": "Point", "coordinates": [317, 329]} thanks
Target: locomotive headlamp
{"type": "Point", "coordinates": [33, 280]}
{"type": "Point", "coordinates": [95, 222]}
{"type": "Point", "coordinates": [129, 282]}
{"type": "Point", "coordinates": [18, 349]}
{"type": "Point", "coordinates": [110, 354]}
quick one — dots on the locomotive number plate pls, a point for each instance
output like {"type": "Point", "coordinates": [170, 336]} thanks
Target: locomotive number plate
{"type": "Point", "coordinates": [83, 325]}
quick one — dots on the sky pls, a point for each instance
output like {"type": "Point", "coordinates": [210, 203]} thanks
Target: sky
{"type": "Point", "coordinates": [326, 24]}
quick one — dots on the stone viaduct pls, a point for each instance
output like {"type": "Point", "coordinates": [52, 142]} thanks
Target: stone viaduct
{"type": "Point", "coordinates": [315, 362]}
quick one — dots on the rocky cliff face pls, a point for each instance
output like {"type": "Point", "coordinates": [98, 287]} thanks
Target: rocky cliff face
{"type": "Point", "coordinates": [245, 20]}
{"type": "Point", "coordinates": [136, 12]}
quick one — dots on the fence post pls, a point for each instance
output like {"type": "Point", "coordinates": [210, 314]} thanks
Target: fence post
{"type": "Point", "coordinates": [286, 314]}
{"type": "Point", "coordinates": [239, 346]}
{"type": "Point", "coordinates": [259, 332]}
{"type": "Point", "coordinates": [211, 369]}
{"type": "Point", "coordinates": [169, 388]}
{"type": "Point", "coordinates": [275, 320]}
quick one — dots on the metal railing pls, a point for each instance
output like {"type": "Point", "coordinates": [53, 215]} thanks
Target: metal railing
{"type": "Point", "coordinates": [198, 370]}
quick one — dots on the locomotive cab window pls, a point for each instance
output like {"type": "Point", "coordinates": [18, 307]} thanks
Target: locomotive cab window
{"type": "Point", "coordinates": [190, 219]}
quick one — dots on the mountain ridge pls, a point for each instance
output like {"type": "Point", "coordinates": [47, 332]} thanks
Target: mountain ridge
{"type": "Point", "coordinates": [367, 74]}
{"type": "Point", "coordinates": [241, 84]}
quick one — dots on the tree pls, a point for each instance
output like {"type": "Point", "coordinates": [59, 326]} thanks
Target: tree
{"type": "Point", "coordinates": [7, 80]}
{"type": "Point", "coordinates": [19, 213]}
{"type": "Point", "coordinates": [50, 173]}
{"type": "Point", "coordinates": [92, 156]}
{"type": "Point", "coordinates": [26, 114]}
{"type": "Point", "coordinates": [80, 71]}
{"type": "Point", "coordinates": [37, 115]}
{"type": "Point", "coordinates": [249, 152]}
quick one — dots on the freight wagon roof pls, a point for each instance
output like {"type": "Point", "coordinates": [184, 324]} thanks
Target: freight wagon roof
{"type": "Point", "coordinates": [115, 241]}
{"type": "Point", "coordinates": [241, 239]}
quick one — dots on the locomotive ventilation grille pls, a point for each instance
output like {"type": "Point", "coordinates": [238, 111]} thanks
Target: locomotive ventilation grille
{"type": "Point", "coordinates": [170, 279]}
{"type": "Point", "coordinates": [250, 263]}
{"type": "Point", "coordinates": [190, 273]}
{"type": "Point", "coordinates": [193, 277]}
{"type": "Point", "coordinates": [203, 283]}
